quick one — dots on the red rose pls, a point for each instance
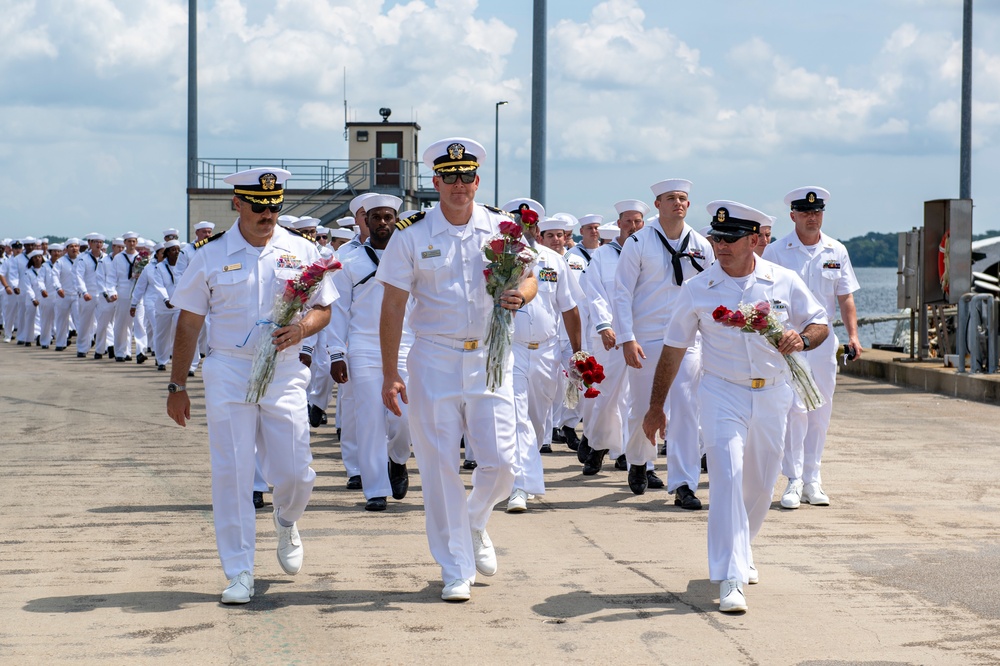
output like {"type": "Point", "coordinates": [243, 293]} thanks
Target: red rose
{"type": "Point", "coordinates": [587, 377]}
{"type": "Point", "coordinates": [510, 229]}
{"type": "Point", "coordinates": [758, 323]}
{"type": "Point", "coordinates": [580, 365]}
{"type": "Point", "coordinates": [497, 245]}
{"type": "Point", "coordinates": [591, 393]}
{"type": "Point", "coordinates": [721, 313]}
{"type": "Point", "coordinates": [737, 319]}
{"type": "Point", "coordinates": [529, 217]}
{"type": "Point", "coordinates": [764, 307]}
{"type": "Point", "coordinates": [599, 376]}
{"type": "Point", "coordinates": [487, 273]}
{"type": "Point", "coordinates": [591, 363]}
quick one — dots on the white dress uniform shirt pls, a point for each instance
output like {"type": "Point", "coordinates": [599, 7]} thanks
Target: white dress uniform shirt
{"type": "Point", "coordinates": [827, 271]}
{"type": "Point", "coordinates": [87, 283]}
{"type": "Point", "coordinates": [646, 292]}
{"type": "Point", "coordinates": [441, 266]}
{"type": "Point", "coordinates": [743, 427]}
{"type": "Point", "coordinates": [235, 285]}
{"type": "Point", "coordinates": [579, 250]}
{"type": "Point", "coordinates": [355, 317]}
{"type": "Point", "coordinates": [65, 268]}
{"type": "Point", "coordinates": [537, 369]}
{"type": "Point", "coordinates": [47, 305]}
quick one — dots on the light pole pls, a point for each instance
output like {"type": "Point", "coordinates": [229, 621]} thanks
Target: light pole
{"type": "Point", "coordinates": [496, 156]}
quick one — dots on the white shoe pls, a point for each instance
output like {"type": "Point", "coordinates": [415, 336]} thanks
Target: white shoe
{"type": "Point", "coordinates": [239, 590]}
{"type": "Point", "coordinates": [793, 494]}
{"type": "Point", "coordinates": [731, 599]}
{"type": "Point", "coordinates": [754, 576]}
{"type": "Point", "coordinates": [457, 590]}
{"type": "Point", "coordinates": [486, 556]}
{"type": "Point", "coordinates": [289, 546]}
{"type": "Point", "coordinates": [813, 494]}
{"type": "Point", "coordinates": [518, 502]}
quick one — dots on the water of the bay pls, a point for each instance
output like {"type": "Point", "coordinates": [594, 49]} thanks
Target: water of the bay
{"type": "Point", "coordinates": [877, 296]}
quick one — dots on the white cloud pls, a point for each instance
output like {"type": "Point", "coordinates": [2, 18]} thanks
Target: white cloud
{"type": "Point", "coordinates": [21, 40]}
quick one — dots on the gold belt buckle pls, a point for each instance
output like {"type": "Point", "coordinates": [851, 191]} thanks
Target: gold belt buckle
{"type": "Point", "coordinates": [532, 345]}
{"type": "Point", "coordinates": [757, 383]}
{"type": "Point", "coordinates": [469, 345]}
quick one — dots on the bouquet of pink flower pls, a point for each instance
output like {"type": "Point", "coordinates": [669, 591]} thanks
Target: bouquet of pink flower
{"type": "Point", "coordinates": [759, 319]}
{"type": "Point", "coordinates": [287, 307]}
{"type": "Point", "coordinates": [584, 372]}
{"type": "Point", "coordinates": [509, 257]}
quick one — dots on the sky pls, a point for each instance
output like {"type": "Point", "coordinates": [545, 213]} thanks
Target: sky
{"type": "Point", "coordinates": [746, 98]}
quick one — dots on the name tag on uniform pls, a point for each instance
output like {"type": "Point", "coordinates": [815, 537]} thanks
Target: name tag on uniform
{"type": "Point", "coordinates": [779, 306]}
{"type": "Point", "coordinates": [232, 267]}
{"type": "Point", "coordinates": [427, 254]}
{"type": "Point", "coordinates": [548, 275]}
{"type": "Point", "coordinates": [831, 264]}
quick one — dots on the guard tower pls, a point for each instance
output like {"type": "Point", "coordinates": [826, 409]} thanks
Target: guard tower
{"type": "Point", "coordinates": [391, 149]}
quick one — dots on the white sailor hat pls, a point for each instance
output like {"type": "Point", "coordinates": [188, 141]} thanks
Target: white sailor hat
{"type": "Point", "coordinates": [204, 224]}
{"type": "Point", "coordinates": [671, 185]}
{"type": "Point", "coordinates": [407, 213]}
{"type": "Point", "coordinates": [305, 223]}
{"type": "Point", "coordinates": [383, 201]}
{"type": "Point", "coordinates": [130, 235]}
{"type": "Point", "coordinates": [591, 218]}
{"type": "Point", "coordinates": [807, 198]}
{"type": "Point", "coordinates": [517, 205]}
{"type": "Point", "coordinates": [94, 236]}
{"type": "Point", "coordinates": [118, 241]}
{"type": "Point", "coordinates": [5, 242]}
{"type": "Point", "coordinates": [626, 205]}
{"type": "Point", "coordinates": [345, 222]}
{"type": "Point", "coordinates": [731, 219]}
{"type": "Point", "coordinates": [158, 247]}
{"type": "Point", "coordinates": [569, 219]}
{"type": "Point", "coordinates": [35, 253]}
{"type": "Point", "coordinates": [287, 220]}
{"type": "Point", "coordinates": [321, 231]}
{"type": "Point", "coordinates": [554, 224]}
{"type": "Point", "coordinates": [455, 155]}
{"type": "Point", "coordinates": [171, 232]}
{"type": "Point", "coordinates": [145, 242]}
{"type": "Point", "coordinates": [264, 185]}
{"type": "Point", "coordinates": [344, 233]}
{"type": "Point", "coordinates": [71, 241]}
{"type": "Point", "coordinates": [358, 202]}
{"type": "Point", "coordinates": [609, 231]}
{"type": "Point", "coordinates": [171, 243]}
{"type": "Point", "coordinates": [56, 247]}
{"type": "Point", "coordinates": [29, 240]}
{"type": "Point", "coordinates": [44, 241]}
{"type": "Point", "coordinates": [772, 219]}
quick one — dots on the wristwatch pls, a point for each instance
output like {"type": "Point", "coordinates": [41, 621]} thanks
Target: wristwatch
{"type": "Point", "coordinates": [805, 343]}
{"type": "Point", "coordinates": [175, 388]}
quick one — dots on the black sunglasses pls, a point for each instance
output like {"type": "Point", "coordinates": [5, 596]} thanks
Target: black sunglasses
{"type": "Point", "coordinates": [726, 239]}
{"type": "Point", "coordinates": [449, 178]}
{"type": "Point", "coordinates": [260, 208]}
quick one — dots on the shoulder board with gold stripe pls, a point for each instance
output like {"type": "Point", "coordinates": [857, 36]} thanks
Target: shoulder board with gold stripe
{"type": "Point", "coordinates": [208, 240]}
{"type": "Point", "coordinates": [308, 237]}
{"type": "Point", "coordinates": [410, 221]}
{"type": "Point", "coordinates": [499, 211]}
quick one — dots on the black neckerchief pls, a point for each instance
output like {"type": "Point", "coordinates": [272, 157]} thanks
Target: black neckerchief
{"type": "Point", "coordinates": [130, 263]}
{"type": "Point", "coordinates": [675, 256]}
{"type": "Point", "coordinates": [370, 251]}
{"type": "Point", "coordinates": [586, 255]}
{"type": "Point", "coordinates": [167, 265]}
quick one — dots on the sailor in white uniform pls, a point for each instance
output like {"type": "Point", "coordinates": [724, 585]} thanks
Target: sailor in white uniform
{"type": "Point", "coordinates": [744, 393]}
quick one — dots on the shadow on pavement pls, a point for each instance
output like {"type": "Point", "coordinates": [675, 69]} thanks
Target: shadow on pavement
{"type": "Point", "coordinates": [581, 603]}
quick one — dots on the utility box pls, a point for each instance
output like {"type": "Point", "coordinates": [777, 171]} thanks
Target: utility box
{"type": "Point", "coordinates": [947, 251]}
{"type": "Point", "coordinates": [908, 274]}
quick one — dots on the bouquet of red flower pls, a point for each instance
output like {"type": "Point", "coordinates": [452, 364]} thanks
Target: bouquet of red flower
{"type": "Point", "coordinates": [584, 372]}
{"type": "Point", "coordinates": [509, 257]}
{"type": "Point", "coordinates": [759, 319]}
{"type": "Point", "coordinates": [287, 307]}
{"type": "Point", "coordinates": [140, 263]}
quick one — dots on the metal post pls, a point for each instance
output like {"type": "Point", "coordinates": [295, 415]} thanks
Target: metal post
{"type": "Point", "coordinates": [192, 157]}
{"type": "Point", "coordinates": [538, 61]}
{"type": "Point", "coordinates": [496, 156]}
{"type": "Point", "coordinates": [965, 157]}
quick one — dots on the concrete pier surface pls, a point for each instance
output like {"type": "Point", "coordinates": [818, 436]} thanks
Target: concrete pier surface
{"type": "Point", "coordinates": [107, 553]}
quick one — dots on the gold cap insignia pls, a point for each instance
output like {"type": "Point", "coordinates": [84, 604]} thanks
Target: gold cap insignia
{"type": "Point", "coordinates": [721, 215]}
{"type": "Point", "coordinates": [456, 151]}
{"type": "Point", "coordinates": [811, 197]}
{"type": "Point", "coordinates": [267, 181]}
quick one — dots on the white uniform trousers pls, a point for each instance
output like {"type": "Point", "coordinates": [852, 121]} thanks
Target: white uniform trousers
{"type": "Point", "coordinates": [64, 308]}
{"type": "Point", "coordinates": [320, 381]}
{"type": "Point", "coordinates": [149, 319]}
{"type": "Point", "coordinates": [683, 446]}
{"type": "Point", "coordinates": [449, 399]}
{"type": "Point", "coordinates": [166, 327]}
{"type": "Point", "coordinates": [805, 437]}
{"type": "Point", "coordinates": [259, 482]}
{"type": "Point", "coordinates": [86, 324]}
{"type": "Point", "coordinates": [12, 315]}
{"type": "Point", "coordinates": [536, 388]}
{"type": "Point", "coordinates": [103, 333]}
{"type": "Point", "coordinates": [3, 307]}
{"type": "Point", "coordinates": [606, 425]}
{"type": "Point", "coordinates": [47, 318]}
{"type": "Point", "coordinates": [279, 428]}
{"type": "Point", "coordinates": [124, 324]}
{"type": "Point", "coordinates": [744, 430]}
{"type": "Point", "coordinates": [27, 329]}
{"type": "Point", "coordinates": [381, 435]}
{"type": "Point", "coordinates": [347, 422]}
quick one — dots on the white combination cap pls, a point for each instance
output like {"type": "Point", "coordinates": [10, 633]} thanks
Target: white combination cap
{"type": "Point", "coordinates": [264, 185]}
{"type": "Point", "coordinates": [455, 155]}
{"type": "Point", "coordinates": [811, 197]}
{"type": "Point", "coordinates": [731, 219]}
{"type": "Point", "coordinates": [516, 205]}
